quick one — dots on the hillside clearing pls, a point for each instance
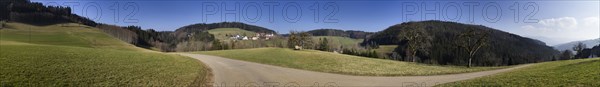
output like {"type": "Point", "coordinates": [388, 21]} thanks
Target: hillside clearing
{"type": "Point", "coordinates": [222, 33]}
{"type": "Point", "coordinates": [338, 41]}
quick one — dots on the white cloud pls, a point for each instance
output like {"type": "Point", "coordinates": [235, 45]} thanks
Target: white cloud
{"type": "Point", "coordinates": [564, 22]}
{"type": "Point", "coordinates": [564, 29]}
{"type": "Point", "coordinates": [591, 21]}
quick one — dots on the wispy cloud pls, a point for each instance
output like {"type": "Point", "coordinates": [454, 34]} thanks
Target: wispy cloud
{"type": "Point", "coordinates": [591, 21]}
{"type": "Point", "coordinates": [563, 29]}
{"type": "Point", "coordinates": [562, 23]}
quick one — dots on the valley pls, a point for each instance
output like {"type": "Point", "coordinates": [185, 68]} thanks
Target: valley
{"type": "Point", "coordinates": [55, 43]}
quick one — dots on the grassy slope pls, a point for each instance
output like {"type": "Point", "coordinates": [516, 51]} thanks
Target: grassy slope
{"type": "Point", "coordinates": [344, 41]}
{"type": "Point", "coordinates": [63, 34]}
{"type": "Point", "coordinates": [580, 73]}
{"type": "Point", "coordinates": [338, 63]}
{"type": "Point", "coordinates": [220, 33]}
{"type": "Point", "coordinates": [56, 55]}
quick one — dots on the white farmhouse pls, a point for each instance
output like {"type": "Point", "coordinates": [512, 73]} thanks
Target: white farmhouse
{"type": "Point", "coordinates": [245, 38]}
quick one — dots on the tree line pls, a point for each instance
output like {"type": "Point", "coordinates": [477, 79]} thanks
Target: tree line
{"type": "Point", "coordinates": [36, 13]}
{"type": "Point", "coordinates": [304, 40]}
{"type": "Point", "coordinates": [580, 51]}
{"type": "Point", "coordinates": [205, 27]}
{"type": "Point", "coordinates": [166, 41]}
{"type": "Point", "coordinates": [336, 32]}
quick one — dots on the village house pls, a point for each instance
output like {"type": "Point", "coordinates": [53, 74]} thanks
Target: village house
{"type": "Point", "coordinates": [258, 36]}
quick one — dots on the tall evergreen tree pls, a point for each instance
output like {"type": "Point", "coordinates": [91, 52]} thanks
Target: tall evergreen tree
{"type": "Point", "coordinates": [324, 45]}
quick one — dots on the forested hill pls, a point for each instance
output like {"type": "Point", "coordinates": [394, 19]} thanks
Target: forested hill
{"type": "Point", "coordinates": [36, 13]}
{"type": "Point", "coordinates": [336, 32]}
{"type": "Point", "coordinates": [503, 48]}
{"type": "Point", "coordinates": [206, 27]}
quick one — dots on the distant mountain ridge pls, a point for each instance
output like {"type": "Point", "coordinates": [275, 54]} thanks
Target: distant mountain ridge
{"type": "Point", "coordinates": [568, 46]}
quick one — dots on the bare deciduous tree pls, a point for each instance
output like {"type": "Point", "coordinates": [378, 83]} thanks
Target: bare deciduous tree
{"type": "Point", "coordinates": [471, 41]}
{"type": "Point", "coordinates": [301, 39]}
{"type": "Point", "coordinates": [418, 40]}
{"type": "Point", "coordinates": [579, 47]}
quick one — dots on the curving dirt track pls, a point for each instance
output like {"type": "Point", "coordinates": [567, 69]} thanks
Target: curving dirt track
{"type": "Point", "coordinates": [236, 73]}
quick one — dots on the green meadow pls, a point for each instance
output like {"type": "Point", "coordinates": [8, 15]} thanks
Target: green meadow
{"type": "Point", "coordinates": [77, 55]}
{"type": "Point", "coordinates": [338, 63]}
{"type": "Point", "coordinates": [566, 73]}
{"type": "Point", "coordinates": [342, 41]}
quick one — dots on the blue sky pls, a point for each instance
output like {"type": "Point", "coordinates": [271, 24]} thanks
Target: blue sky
{"type": "Point", "coordinates": [551, 21]}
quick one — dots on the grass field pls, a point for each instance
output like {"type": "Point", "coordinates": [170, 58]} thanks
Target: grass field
{"type": "Point", "coordinates": [337, 40]}
{"type": "Point", "coordinates": [568, 73]}
{"type": "Point", "coordinates": [338, 63]}
{"type": "Point", "coordinates": [75, 55]}
{"type": "Point", "coordinates": [65, 35]}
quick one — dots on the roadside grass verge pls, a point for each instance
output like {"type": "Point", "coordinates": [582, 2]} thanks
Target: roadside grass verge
{"type": "Point", "coordinates": [572, 73]}
{"type": "Point", "coordinates": [338, 63]}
